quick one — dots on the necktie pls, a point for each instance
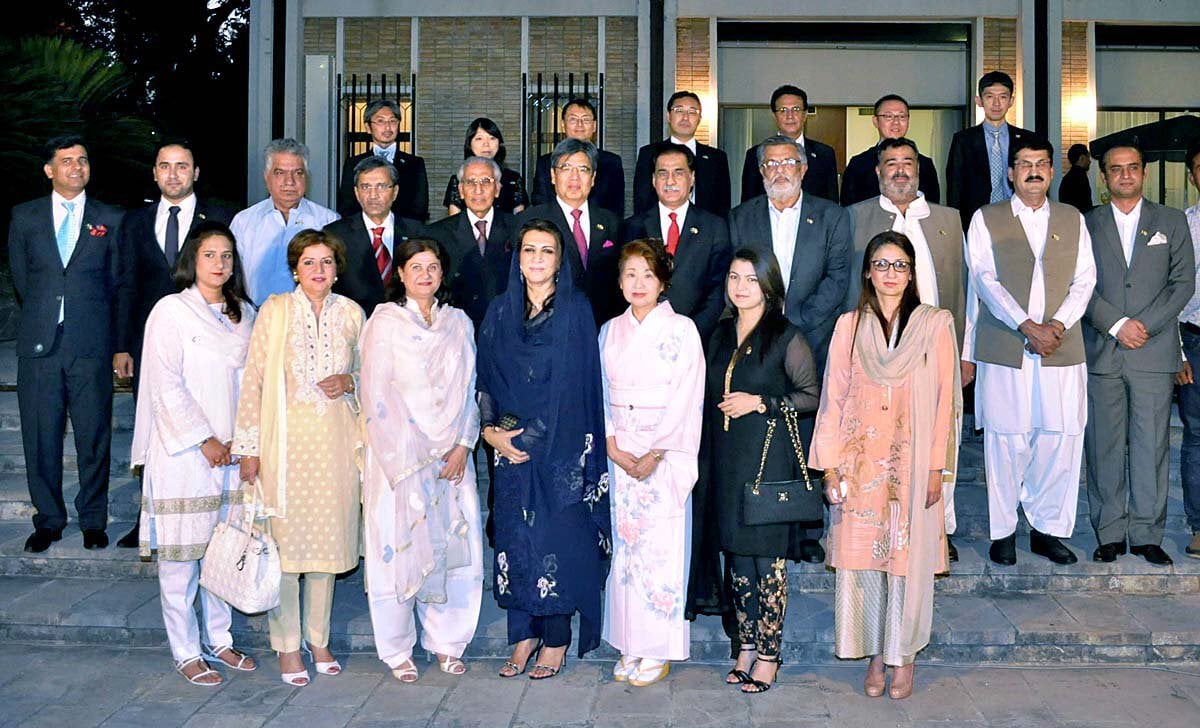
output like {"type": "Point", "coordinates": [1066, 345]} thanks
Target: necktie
{"type": "Point", "coordinates": [580, 239]}
{"type": "Point", "coordinates": [63, 235]}
{"type": "Point", "coordinates": [385, 153]}
{"type": "Point", "coordinates": [383, 259]}
{"type": "Point", "coordinates": [481, 236]}
{"type": "Point", "coordinates": [673, 234]}
{"type": "Point", "coordinates": [171, 244]}
{"type": "Point", "coordinates": [997, 165]}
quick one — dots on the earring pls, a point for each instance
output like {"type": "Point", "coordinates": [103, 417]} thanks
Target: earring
{"type": "Point", "coordinates": [295, 276]}
{"type": "Point", "coordinates": [335, 279]}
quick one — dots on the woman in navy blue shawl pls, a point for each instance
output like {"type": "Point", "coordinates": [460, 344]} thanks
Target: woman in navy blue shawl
{"type": "Point", "coordinates": [553, 537]}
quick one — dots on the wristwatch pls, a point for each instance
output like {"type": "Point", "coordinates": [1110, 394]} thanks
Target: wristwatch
{"type": "Point", "coordinates": [762, 406]}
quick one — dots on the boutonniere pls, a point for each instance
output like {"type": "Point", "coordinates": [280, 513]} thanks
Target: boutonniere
{"type": "Point", "coordinates": [808, 220]}
{"type": "Point", "coordinates": [607, 244]}
{"type": "Point", "coordinates": [97, 231]}
{"type": "Point", "coordinates": [599, 226]}
{"type": "Point", "coordinates": [1054, 236]}
{"type": "Point", "coordinates": [693, 231]}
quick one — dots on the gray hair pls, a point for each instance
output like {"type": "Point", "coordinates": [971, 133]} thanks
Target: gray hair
{"type": "Point", "coordinates": [569, 146]}
{"type": "Point", "coordinates": [779, 140]}
{"type": "Point", "coordinates": [286, 145]}
{"type": "Point", "coordinates": [462, 168]}
{"type": "Point", "coordinates": [372, 163]}
{"type": "Point", "coordinates": [375, 107]}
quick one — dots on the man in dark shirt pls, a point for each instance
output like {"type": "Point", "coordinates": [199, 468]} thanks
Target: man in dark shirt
{"type": "Point", "coordinates": [1075, 189]}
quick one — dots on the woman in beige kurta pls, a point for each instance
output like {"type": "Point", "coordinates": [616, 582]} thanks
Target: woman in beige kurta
{"type": "Point", "coordinates": [297, 432]}
{"type": "Point", "coordinates": [886, 437]}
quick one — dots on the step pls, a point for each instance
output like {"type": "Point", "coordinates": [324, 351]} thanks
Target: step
{"type": "Point", "coordinates": [10, 412]}
{"type": "Point", "coordinates": [12, 452]}
{"type": "Point", "coordinates": [124, 497]}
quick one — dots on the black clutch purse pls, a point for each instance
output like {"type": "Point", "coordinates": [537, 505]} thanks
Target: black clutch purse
{"type": "Point", "coordinates": [781, 501]}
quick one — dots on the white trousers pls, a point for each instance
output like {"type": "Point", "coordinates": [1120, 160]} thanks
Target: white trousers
{"type": "Point", "coordinates": [178, 584]}
{"type": "Point", "coordinates": [1039, 471]}
{"type": "Point", "coordinates": [445, 628]}
{"type": "Point", "coordinates": [948, 504]}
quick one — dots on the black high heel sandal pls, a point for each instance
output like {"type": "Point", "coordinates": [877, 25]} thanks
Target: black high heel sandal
{"type": "Point", "coordinates": [753, 687]}
{"type": "Point", "coordinates": [742, 677]}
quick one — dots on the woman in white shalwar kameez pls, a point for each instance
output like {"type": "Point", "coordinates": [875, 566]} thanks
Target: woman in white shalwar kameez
{"type": "Point", "coordinates": [424, 549]}
{"type": "Point", "coordinates": [652, 363]}
{"type": "Point", "coordinates": [195, 347]}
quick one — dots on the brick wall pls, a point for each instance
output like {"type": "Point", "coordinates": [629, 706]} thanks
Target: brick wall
{"type": "Point", "coordinates": [693, 70]}
{"type": "Point", "coordinates": [1000, 51]}
{"type": "Point", "coordinates": [377, 45]}
{"type": "Point", "coordinates": [320, 35]}
{"type": "Point", "coordinates": [1074, 86]}
{"type": "Point", "coordinates": [620, 96]}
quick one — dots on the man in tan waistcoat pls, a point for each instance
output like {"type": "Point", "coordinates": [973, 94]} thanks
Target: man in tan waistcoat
{"type": "Point", "coordinates": [937, 237]}
{"type": "Point", "coordinates": [1032, 268]}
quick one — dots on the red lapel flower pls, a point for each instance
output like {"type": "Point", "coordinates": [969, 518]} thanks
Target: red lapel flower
{"type": "Point", "coordinates": [97, 231]}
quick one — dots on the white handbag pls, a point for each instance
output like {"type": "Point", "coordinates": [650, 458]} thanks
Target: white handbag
{"type": "Point", "coordinates": [241, 565]}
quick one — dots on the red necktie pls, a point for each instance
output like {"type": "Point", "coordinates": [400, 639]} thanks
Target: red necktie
{"type": "Point", "coordinates": [383, 259]}
{"type": "Point", "coordinates": [481, 236]}
{"type": "Point", "coordinates": [673, 234]}
{"type": "Point", "coordinates": [580, 239]}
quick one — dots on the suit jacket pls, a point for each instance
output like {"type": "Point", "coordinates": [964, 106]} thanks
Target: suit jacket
{"type": "Point", "coordinates": [820, 265]}
{"type": "Point", "coordinates": [1153, 289]}
{"type": "Point", "coordinates": [944, 235]}
{"type": "Point", "coordinates": [608, 191]}
{"type": "Point", "coordinates": [968, 174]}
{"type": "Point", "coordinates": [1075, 189]}
{"type": "Point", "coordinates": [599, 280]}
{"type": "Point", "coordinates": [821, 179]}
{"type": "Point", "coordinates": [859, 181]}
{"type": "Point", "coordinates": [96, 280]}
{"type": "Point", "coordinates": [474, 279]}
{"type": "Point", "coordinates": [412, 199]}
{"type": "Point", "coordinates": [701, 263]}
{"type": "Point", "coordinates": [712, 180]}
{"type": "Point", "coordinates": [360, 280]}
{"type": "Point", "coordinates": [151, 274]}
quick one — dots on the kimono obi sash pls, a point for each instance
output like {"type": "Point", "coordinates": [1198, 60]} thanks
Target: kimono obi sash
{"type": "Point", "coordinates": [638, 408]}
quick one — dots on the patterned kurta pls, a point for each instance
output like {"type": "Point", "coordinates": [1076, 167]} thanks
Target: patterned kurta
{"type": "Point", "coordinates": [320, 530]}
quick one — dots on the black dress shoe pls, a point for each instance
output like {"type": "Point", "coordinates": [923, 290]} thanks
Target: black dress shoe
{"type": "Point", "coordinates": [130, 540]}
{"type": "Point", "coordinates": [1051, 547]}
{"type": "Point", "coordinates": [952, 552]}
{"type": "Point", "coordinates": [41, 540]}
{"type": "Point", "coordinates": [1108, 552]}
{"type": "Point", "coordinates": [1004, 551]}
{"type": "Point", "coordinates": [95, 538]}
{"type": "Point", "coordinates": [1153, 553]}
{"type": "Point", "coordinates": [811, 551]}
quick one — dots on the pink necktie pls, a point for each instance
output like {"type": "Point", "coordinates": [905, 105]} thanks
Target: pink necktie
{"type": "Point", "coordinates": [580, 239]}
{"type": "Point", "coordinates": [481, 236]}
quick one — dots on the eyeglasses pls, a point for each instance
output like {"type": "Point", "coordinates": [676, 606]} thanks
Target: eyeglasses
{"type": "Point", "coordinates": [579, 120]}
{"type": "Point", "coordinates": [1025, 166]}
{"type": "Point", "coordinates": [582, 169]}
{"type": "Point", "coordinates": [685, 110]}
{"type": "Point", "coordinates": [781, 163]}
{"type": "Point", "coordinates": [479, 182]}
{"type": "Point", "coordinates": [379, 187]}
{"type": "Point", "coordinates": [892, 118]}
{"type": "Point", "coordinates": [881, 265]}
{"type": "Point", "coordinates": [785, 110]}
{"type": "Point", "coordinates": [392, 121]}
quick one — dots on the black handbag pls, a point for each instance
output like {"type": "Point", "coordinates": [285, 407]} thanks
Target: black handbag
{"type": "Point", "coordinates": [782, 501]}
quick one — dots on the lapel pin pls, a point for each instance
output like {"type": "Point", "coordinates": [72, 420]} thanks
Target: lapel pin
{"type": "Point", "coordinates": [693, 231]}
{"type": "Point", "coordinates": [599, 226]}
{"type": "Point", "coordinates": [808, 220]}
{"type": "Point", "coordinates": [1144, 233]}
{"type": "Point", "coordinates": [704, 156]}
{"type": "Point", "coordinates": [1054, 236]}
{"type": "Point", "coordinates": [201, 216]}
{"type": "Point", "coordinates": [941, 232]}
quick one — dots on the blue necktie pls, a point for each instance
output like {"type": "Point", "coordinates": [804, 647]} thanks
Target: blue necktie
{"type": "Point", "coordinates": [999, 186]}
{"type": "Point", "coordinates": [65, 230]}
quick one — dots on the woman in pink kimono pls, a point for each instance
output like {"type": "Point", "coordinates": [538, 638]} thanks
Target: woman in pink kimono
{"type": "Point", "coordinates": [653, 370]}
{"type": "Point", "coordinates": [887, 438]}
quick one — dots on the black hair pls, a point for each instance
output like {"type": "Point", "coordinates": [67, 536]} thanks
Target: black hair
{"type": "Point", "coordinates": [868, 298]}
{"type": "Point", "coordinates": [1031, 142]}
{"type": "Point", "coordinates": [890, 97]}
{"type": "Point", "coordinates": [545, 226]}
{"type": "Point", "coordinates": [583, 103]}
{"type": "Point", "coordinates": [898, 142]}
{"type": "Point", "coordinates": [995, 78]}
{"type": "Point", "coordinates": [184, 276]}
{"type": "Point", "coordinates": [1132, 145]}
{"type": "Point", "coordinates": [772, 324]}
{"type": "Point", "coordinates": [1075, 152]}
{"type": "Point", "coordinates": [1189, 157]}
{"type": "Point", "coordinates": [62, 141]}
{"type": "Point", "coordinates": [673, 148]}
{"type": "Point", "coordinates": [489, 127]}
{"type": "Point", "coordinates": [403, 253]}
{"type": "Point", "coordinates": [175, 142]}
{"type": "Point", "coordinates": [682, 95]}
{"type": "Point", "coordinates": [788, 90]}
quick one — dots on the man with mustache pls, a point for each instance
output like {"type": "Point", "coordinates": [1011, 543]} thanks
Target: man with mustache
{"type": "Point", "coordinates": [937, 237]}
{"type": "Point", "coordinates": [1145, 276]}
{"type": "Point", "coordinates": [1031, 265]}
{"type": "Point", "coordinates": [810, 237]}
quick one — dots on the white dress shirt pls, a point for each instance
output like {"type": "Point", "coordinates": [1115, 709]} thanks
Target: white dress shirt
{"type": "Point", "coordinates": [784, 224]}
{"type": "Point", "coordinates": [60, 213]}
{"type": "Point", "coordinates": [491, 215]}
{"type": "Point", "coordinates": [389, 231]}
{"type": "Point", "coordinates": [187, 210]}
{"type": "Point", "coordinates": [909, 224]}
{"type": "Point", "coordinates": [262, 239]}
{"type": "Point", "coordinates": [585, 220]}
{"type": "Point", "coordinates": [1127, 228]}
{"type": "Point", "coordinates": [664, 218]}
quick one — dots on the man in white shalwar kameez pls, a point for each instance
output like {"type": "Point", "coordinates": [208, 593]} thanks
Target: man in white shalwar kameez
{"type": "Point", "coordinates": [1031, 275]}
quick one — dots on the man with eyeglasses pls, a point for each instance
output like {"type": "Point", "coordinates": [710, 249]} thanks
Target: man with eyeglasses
{"type": "Point", "coordinates": [810, 237]}
{"type": "Point", "coordinates": [371, 235]}
{"type": "Point", "coordinates": [710, 191]}
{"type": "Point", "coordinates": [264, 229]}
{"type": "Point", "coordinates": [977, 167]}
{"type": "Point", "coordinates": [789, 104]}
{"type": "Point", "coordinates": [1032, 269]}
{"type": "Point", "coordinates": [859, 181]}
{"type": "Point", "coordinates": [383, 119]}
{"type": "Point", "coordinates": [579, 123]}
{"type": "Point", "coordinates": [1145, 275]}
{"type": "Point", "coordinates": [591, 234]}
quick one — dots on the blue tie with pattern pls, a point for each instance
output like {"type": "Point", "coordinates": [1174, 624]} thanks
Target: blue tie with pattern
{"type": "Point", "coordinates": [65, 230]}
{"type": "Point", "coordinates": [997, 165]}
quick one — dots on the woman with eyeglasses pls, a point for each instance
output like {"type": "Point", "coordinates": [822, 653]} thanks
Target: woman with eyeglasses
{"type": "Point", "coordinates": [887, 438]}
{"type": "Point", "coordinates": [485, 140]}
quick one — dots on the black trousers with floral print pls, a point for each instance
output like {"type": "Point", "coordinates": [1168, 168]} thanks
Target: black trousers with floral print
{"type": "Point", "coordinates": [759, 601]}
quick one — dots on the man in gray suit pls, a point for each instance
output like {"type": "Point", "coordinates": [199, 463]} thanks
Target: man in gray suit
{"type": "Point", "coordinates": [937, 237]}
{"type": "Point", "coordinates": [1145, 275]}
{"type": "Point", "coordinates": [810, 237]}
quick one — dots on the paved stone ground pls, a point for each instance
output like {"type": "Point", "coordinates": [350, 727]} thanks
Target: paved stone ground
{"type": "Point", "coordinates": [96, 686]}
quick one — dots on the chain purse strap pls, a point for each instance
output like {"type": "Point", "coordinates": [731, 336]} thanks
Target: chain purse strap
{"type": "Point", "coordinates": [793, 428]}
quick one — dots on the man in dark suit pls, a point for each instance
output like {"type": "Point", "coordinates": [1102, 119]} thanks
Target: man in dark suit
{"type": "Point", "coordinates": [1145, 275]}
{"type": "Point", "coordinates": [1075, 190]}
{"type": "Point", "coordinates": [371, 235]}
{"type": "Point", "coordinates": [73, 286]}
{"type": "Point", "coordinates": [579, 121]}
{"type": "Point", "coordinates": [697, 240]}
{"type": "Point", "coordinates": [860, 181]}
{"type": "Point", "coordinates": [412, 184]}
{"type": "Point", "coordinates": [810, 237]}
{"type": "Point", "coordinates": [789, 104]}
{"type": "Point", "coordinates": [590, 232]}
{"type": "Point", "coordinates": [153, 236]}
{"type": "Point", "coordinates": [711, 169]}
{"type": "Point", "coordinates": [977, 168]}
{"type": "Point", "coordinates": [477, 240]}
